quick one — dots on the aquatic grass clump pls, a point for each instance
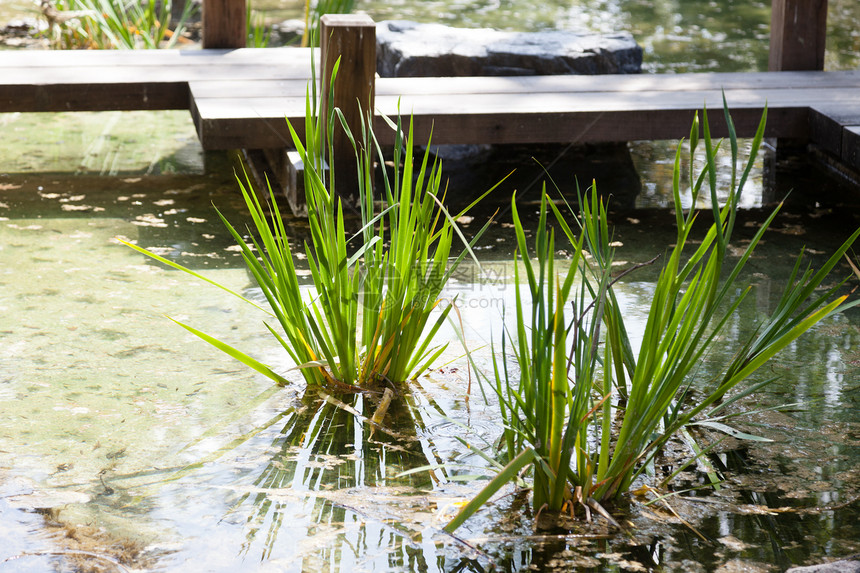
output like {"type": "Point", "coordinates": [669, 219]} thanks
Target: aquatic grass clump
{"type": "Point", "coordinates": [116, 24]}
{"type": "Point", "coordinates": [587, 413]}
{"type": "Point", "coordinates": [372, 317]}
{"type": "Point", "coordinates": [374, 308]}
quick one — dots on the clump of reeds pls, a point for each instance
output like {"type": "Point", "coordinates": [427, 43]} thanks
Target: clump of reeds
{"type": "Point", "coordinates": [373, 311]}
{"type": "Point", "coordinates": [115, 24]}
{"type": "Point", "coordinates": [577, 373]}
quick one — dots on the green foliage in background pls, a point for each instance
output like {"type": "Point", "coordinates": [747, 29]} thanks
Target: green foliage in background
{"type": "Point", "coordinates": [136, 24]}
{"type": "Point", "coordinates": [115, 24]}
{"type": "Point", "coordinates": [256, 31]}
{"type": "Point", "coordinates": [578, 405]}
{"type": "Point", "coordinates": [314, 10]}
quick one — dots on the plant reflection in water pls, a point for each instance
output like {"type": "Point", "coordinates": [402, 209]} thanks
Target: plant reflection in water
{"type": "Point", "coordinates": [336, 464]}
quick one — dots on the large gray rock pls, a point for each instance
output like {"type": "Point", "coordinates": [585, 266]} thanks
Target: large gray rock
{"type": "Point", "coordinates": [410, 49]}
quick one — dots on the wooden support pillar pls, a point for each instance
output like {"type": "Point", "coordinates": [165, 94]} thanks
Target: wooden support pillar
{"type": "Point", "coordinates": [224, 24]}
{"type": "Point", "coordinates": [798, 30]}
{"type": "Point", "coordinates": [352, 38]}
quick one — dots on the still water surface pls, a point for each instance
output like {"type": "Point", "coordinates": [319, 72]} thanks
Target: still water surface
{"type": "Point", "coordinates": [122, 438]}
{"type": "Point", "coordinates": [125, 443]}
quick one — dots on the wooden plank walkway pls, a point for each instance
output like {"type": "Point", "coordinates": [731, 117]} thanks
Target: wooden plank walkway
{"type": "Point", "coordinates": [239, 99]}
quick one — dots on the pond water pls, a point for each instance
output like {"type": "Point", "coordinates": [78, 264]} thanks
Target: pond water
{"type": "Point", "coordinates": [128, 445]}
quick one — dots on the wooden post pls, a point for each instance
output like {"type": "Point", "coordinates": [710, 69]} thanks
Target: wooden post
{"type": "Point", "coordinates": [352, 38]}
{"type": "Point", "coordinates": [224, 24]}
{"type": "Point", "coordinates": [798, 30]}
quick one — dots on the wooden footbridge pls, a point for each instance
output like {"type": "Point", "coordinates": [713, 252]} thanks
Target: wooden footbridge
{"type": "Point", "coordinates": [239, 98]}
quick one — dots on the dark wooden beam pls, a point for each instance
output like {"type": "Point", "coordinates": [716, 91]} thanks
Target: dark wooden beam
{"type": "Point", "coordinates": [224, 24]}
{"type": "Point", "coordinates": [352, 39]}
{"type": "Point", "coordinates": [798, 32]}
{"type": "Point", "coordinates": [851, 146]}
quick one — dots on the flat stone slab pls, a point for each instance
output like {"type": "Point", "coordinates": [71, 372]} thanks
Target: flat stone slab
{"type": "Point", "coordinates": [410, 49]}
